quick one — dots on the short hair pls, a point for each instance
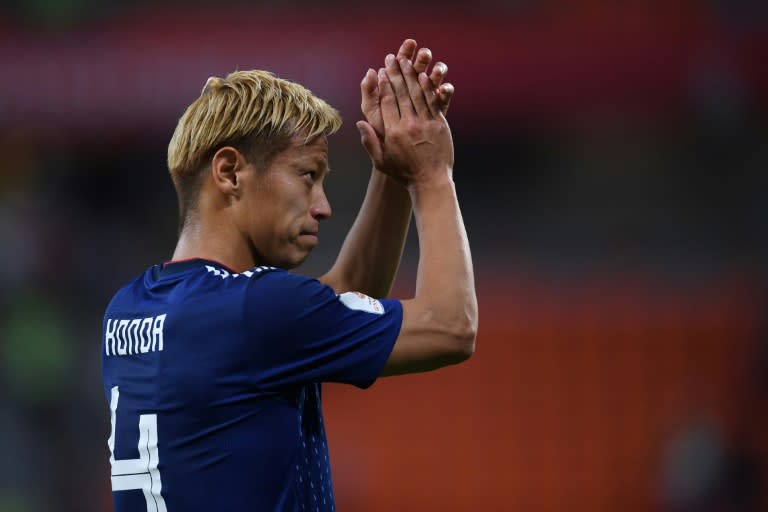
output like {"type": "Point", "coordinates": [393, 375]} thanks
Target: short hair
{"type": "Point", "coordinates": [253, 111]}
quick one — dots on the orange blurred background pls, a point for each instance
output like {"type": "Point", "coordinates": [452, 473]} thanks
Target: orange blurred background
{"type": "Point", "coordinates": [580, 397]}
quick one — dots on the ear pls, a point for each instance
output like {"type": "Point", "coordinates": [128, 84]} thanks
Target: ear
{"type": "Point", "coordinates": [225, 164]}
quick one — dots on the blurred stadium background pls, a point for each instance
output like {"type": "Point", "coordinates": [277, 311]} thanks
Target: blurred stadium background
{"type": "Point", "coordinates": [612, 162]}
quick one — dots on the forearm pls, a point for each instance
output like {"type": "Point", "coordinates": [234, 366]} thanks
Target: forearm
{"type": "Point", "coordinates": [440, 322]}
{"type": "Point", "coordinates": [445, 288]}
{"type": "Point", "coordinates": [370, 256]}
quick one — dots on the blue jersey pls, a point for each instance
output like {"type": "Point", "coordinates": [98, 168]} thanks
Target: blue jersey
{"type": "Point", "coordinates": [213, 380]}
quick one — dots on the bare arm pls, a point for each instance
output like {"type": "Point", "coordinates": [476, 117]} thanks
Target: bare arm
{"type": "Point", "coordinates": [370, 256]}
{"type": "Point", "coordinates": [440, 323]}
{"type": "Point", "coordinates": [371, 253]}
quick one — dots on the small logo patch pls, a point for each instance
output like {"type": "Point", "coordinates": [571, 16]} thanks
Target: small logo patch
{"type": "Point", "coordinates": [361, 302]}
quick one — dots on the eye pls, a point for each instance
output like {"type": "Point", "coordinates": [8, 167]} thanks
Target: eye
{"type": "Point", "coordinates": [310, 175]}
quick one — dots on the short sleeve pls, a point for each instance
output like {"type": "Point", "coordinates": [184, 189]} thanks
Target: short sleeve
{"type": "Point", "coordinates": [303, 332]}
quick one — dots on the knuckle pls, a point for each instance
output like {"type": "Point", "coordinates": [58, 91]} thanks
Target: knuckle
{"type": "Point", "coordinates": [413, 128]}
{"type": "Point", "coordinates": [398, 133]}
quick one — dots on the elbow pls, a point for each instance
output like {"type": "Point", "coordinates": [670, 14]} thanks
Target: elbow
{"type": "Point", "coordinates": [463, 331]}
{"type": "Point", "coordinates": [464, 341]}
{"type": "Point", "coordinates": [467, 334]}
{"type": "Point", "coordinates": [469, 341]}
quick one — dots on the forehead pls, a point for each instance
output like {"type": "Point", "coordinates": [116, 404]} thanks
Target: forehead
{"type": "Point", "coordinates": [313, 153]}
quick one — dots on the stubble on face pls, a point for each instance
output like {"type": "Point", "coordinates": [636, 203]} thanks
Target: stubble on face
{"type": "Point", "coordinates": [283, 228]}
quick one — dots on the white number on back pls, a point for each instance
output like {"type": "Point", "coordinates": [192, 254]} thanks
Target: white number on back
{"type": "Point", "coordinates": [141, 473]}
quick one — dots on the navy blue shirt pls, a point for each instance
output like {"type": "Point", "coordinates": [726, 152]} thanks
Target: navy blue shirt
{"type": "Point", "coordinates": [213, 380]}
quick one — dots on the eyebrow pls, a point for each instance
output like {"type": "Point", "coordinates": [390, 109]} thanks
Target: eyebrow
{"type": "Point", "coordinates": [320, 164]}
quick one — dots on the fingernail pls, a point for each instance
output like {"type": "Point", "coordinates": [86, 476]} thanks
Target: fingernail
{"type": "Point", "coordinates": [389, 59]}
{"type": "Point", "coordinates": [442, 68]}
{"type": "Point", "coordinates": [405, 63]}
{"type": "Point", "coordinates": [382, 73]}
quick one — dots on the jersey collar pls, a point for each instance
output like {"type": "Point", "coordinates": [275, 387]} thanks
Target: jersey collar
{"type": "Point", "coordinates": [176, 266]}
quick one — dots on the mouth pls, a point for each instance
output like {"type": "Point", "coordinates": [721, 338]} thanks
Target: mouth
{"type": "Point", "coordinates": [309, 236]}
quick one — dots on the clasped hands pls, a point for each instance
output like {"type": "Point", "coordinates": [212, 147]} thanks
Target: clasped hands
{"type": "Point", "coordinates": [405, 131]}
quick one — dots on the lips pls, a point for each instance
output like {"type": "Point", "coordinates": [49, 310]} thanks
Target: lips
{"type": "Point", "coordinates": [313, 231]}
{"type": "Point", "coordinates": [309, 236]}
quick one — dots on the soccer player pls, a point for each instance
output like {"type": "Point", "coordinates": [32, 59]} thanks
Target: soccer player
{"type": "Point", "coordinates": [213, 362]}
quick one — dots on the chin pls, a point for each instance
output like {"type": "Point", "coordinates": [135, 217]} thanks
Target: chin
{"type": "Point", "coordinates": [291, 262]}
{"type": "Point", "coordinates": [285, 259]}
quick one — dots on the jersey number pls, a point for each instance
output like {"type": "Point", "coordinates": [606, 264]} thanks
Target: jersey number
{"type": "Point", "coordinates": [141, 473]}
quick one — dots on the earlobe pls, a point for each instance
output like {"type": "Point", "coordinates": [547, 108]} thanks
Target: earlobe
{"type": "Point", "coordinates": [225, 164]}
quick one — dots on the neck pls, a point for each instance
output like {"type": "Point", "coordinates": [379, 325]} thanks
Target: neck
{"type": "Point", "coordinates": [220, 243]}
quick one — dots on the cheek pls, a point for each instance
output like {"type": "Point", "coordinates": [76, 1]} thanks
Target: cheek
{"type": "Point", "coordinates": [295, 202]}
{"type": "Point", "coordinates": [288, 222]}
{"type": "Point", "coordinates": [282, 206]}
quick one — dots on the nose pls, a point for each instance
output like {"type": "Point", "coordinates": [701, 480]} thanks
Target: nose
{"type": "Point", "coordinates": [321, 208]}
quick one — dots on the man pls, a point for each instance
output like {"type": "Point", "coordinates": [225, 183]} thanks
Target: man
{"type": "Point", "coordinates": [212, 362]}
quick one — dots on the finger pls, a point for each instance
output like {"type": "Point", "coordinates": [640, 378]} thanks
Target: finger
{"type": "Point", "coordinates": [369, 84]}
{"type": "Point", "coordinates": [431, 96]}
{"type": "Point", "coordinates": [439, 70]}
{"type": "Point", "coordinates": [406, 49]}
{"type": "Point", "coordinates": [370, 142]}
{"type": "Point", "coordinates": [422, 60]}
{"type": "Point", "coordinates": [387, 101]}
{"type": "Point", "coordinates": [399, 86]}
{"type": "Point", "coordinates": [445, 94]}
{"type": "Point", "coordinates": [414, 88]}
{"type": "Point", "coordinates": [369, 92]}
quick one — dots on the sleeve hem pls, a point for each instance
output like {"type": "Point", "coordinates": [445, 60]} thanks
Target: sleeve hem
{"type": "Point", "coordinates": [383, 356]}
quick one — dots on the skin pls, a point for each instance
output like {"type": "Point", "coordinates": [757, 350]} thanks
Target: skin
{"type": "Point", "coordinates": [248, 217]}
{"type": "Point", "coordinates": [370, 256]}
{"type": "Point", "coordinates": [221, 232]}
{"type": "Point", "coordinates": [440, 322]}
{"type": "Point", "coordinates": [281, 209]}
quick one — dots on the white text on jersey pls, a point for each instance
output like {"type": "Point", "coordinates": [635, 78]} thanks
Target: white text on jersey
{"type": "Point", "coordinates": [136, 336]}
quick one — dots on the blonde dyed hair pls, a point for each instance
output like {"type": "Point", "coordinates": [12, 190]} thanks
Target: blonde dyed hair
{"type": "Point", "coordinates": [254, 111]}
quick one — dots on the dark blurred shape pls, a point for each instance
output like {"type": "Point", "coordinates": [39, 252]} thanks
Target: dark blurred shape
{"type": "Point", "coordinates": [702, 473]}
{"type": "Point", "coordinates": [54, 13]}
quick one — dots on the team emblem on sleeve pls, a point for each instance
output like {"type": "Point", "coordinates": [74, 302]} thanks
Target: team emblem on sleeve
{"type": "Point", "coordinates": [361, 302]}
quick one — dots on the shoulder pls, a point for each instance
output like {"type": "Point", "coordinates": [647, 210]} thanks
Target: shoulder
{"type": "Point", "coordinates": [126, 295]}
{"type": "Point", "coordinates": [279, 286]}
{"type": "Point", "coordinates": [274, 287]}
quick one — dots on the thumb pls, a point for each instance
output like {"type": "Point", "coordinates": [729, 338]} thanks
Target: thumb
{"type": "Point", "coordinates": [370, 142]}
